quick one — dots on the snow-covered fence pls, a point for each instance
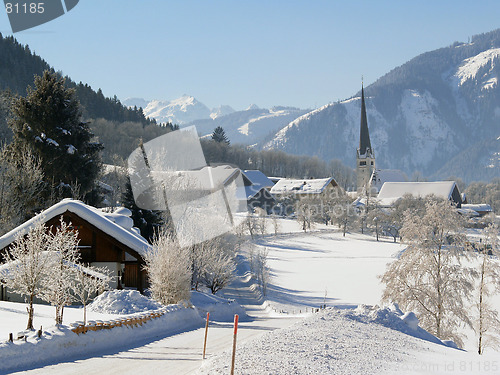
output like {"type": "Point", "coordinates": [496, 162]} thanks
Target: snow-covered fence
{"type": "Point", "coordinates": [131, 321]}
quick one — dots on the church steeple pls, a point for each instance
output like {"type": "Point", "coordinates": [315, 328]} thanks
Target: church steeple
{"type": "Point", "coordinates": [365, 158]}
{"type": "Point", "coordinates": [364, 136]}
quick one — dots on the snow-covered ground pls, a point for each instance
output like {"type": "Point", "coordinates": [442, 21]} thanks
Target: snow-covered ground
{"type": "Point", "coordinates": [278, 333]}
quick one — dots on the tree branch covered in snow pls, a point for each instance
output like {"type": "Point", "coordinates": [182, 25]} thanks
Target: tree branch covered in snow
{"type": "Point", "coordinates": [27, 266]}
{"type": "Point", "coordinates": [487, 323]}
{"type": "Point", "coordinates": [169, 270]}
{"type": "Point", "coordinates": [428, 278]}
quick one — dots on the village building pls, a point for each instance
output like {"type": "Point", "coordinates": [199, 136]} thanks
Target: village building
{"type": "Point", "coordinates": [393, 191]}
{"type": "Point", "coordinates": [380, 176]}
{"type": "Point", "coordinates": [320, 187]}
{"type": "Point", "coordinates": [106, 239]}
{"type": "Point", "coordinates": [257, 190]}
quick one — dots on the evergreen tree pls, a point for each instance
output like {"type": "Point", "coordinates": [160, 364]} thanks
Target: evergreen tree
{"type": "Point", "coordinates": [148, 221]}
{"type": "Point", "coordinates": [48, 121]}
{"type": "Point", "coordinates": [219, 135]}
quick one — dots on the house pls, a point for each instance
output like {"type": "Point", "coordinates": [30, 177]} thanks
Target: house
{"type": "Point", "coordinates": [106, 239]}
{"type": "Point", "coordinates": [392, 191]}
{"type": "Point", "coordinates": [257, 193]}
{"type": "Point", "coordinates": [305, 188]}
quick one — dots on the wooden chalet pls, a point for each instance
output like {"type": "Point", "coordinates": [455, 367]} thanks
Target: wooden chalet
{"type": "Point", "coordinates": [106, 240]}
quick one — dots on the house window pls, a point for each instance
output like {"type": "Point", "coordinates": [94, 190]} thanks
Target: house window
{"type": "Point", "coordinates": [362, 163]}
{"type": "Point", "coordinates": [372, 162]}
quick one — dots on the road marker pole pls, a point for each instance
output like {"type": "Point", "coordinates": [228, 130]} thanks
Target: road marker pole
{"type": "Point", "coordinates": [234, 342]}
{"type": "Point", "coordinates": [206, 333]}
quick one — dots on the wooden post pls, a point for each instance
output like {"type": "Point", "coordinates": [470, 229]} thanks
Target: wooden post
{"type": "Point", "coordinates": [10, 337]}
{"type": "Point", "coordinates": [234, 342]}
{"type": "Point", "coordinates": [206, 333]}
{"type": "Point", "coordinates": [39, 333]}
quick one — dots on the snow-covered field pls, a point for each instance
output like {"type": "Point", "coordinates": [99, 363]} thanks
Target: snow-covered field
{"type": "Point", "coordinates": [307, 270]}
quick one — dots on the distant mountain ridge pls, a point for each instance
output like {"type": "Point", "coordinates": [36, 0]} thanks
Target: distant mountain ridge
{"type": "Point", "coordinates": [438, 114]}
{"type": "Point", "coordinates": [248, 127]}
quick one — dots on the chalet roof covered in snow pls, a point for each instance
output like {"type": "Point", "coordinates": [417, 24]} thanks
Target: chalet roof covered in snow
{"type": "Point", "coordinates": [381, 176]}
{"type": "Point", "coordinates": [311, 186]}
{"type": "Point", "coordinates": [258, 179]}
{"type": "Point", "coordinates": [118, 225]}
{"type": "Point", "coordinates": [392, 191]}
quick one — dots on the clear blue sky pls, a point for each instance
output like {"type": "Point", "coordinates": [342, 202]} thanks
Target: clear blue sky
{"type": "Point", "coordinates": [302, 53]}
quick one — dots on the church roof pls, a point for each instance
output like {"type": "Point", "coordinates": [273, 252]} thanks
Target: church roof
{"type": "Point", "coordinates": [364, 135]}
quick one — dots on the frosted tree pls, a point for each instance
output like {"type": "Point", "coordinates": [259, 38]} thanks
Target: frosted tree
{"type": "Point", "coordinates": [218, 263]}
{"type": "Point", "coordinates": [87, 283]}
{"type": "Point", "coordinates": [63, 256]}
{"type": "Point", "coordinates": [343, 213]}
{"type": "Point", "coordinates": [487, 323]}
{"type": "Point", "coordinates": [21, 186]}
{"type": "Point", "coordinates": [428, 278]}
{"type": "Point", "coordinates": [27, 265]}
{"type": "Point", "coordinates": [305, 211]}
{"type": "Point", "coordinates": [169, 270]}
{"type": "Point", "coordinates": [261, 268]}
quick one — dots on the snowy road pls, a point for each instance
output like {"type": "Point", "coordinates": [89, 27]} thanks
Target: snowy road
{"type": "Point", "coordinates": [180, 353]}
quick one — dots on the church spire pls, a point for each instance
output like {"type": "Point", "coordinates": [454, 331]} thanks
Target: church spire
{"type": "Point", "coordinates": [364, 135]}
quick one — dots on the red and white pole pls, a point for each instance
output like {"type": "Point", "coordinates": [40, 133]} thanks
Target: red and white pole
{"type": "Point", "coordinates": [234, 342]}
{"type": "Point", "coordinates": [206, 333]}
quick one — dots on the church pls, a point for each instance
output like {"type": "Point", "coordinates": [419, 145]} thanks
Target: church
{"type": "Point", "coordinates": [365, 156]}
{"type": "Point", "coordinates": [369, 178]}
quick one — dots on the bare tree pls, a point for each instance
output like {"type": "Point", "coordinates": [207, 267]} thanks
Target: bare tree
{"type": "Point", "coordinates": [87, 282]}
{"type": "Point", "coordinates": [259, 266]}
{"type": "Point", "coordinates": [21, 186]}
{"type": "Point", "coordinates": [344, 213]}
{"type": "Point", "coordinates": [219, 266]}
{"type": "Point", "coordinates": [487, 324]}
{"type": "Point", "coordinates": [428, 278]}
{"type": "Point", "coordinates": [27, 264]}
{"type": "Point", "coordinates": [63, 255]}
{"type": "Point", "coordinates": [169, 270]}
{"type": "Point", "coordinates": [305, 211]}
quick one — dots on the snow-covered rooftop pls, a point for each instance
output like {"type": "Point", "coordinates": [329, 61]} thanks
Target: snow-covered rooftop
{"type": "Point", "coordinates": [381, 176]}
{"type": "Point", "coordinates": [311, 186]}
{"type": "Point", "coordinates": [258, 179]}
{"type": "Point", "coordinates": [118, 225]}
{"type": "Point", "coordinates": [392, 191]}
{"type": "Point", "coordinates": [483, 207]}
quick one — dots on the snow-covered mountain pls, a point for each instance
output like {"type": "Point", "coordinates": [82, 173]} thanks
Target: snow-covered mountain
{"type": "Point", "coordinates": [221, 110]}
{"type": "Point", "coordinates": [250, 126]}
{"type": "Point", "coordinates": [438, 114]}
{"type": "Point", "coordinates": [179, 111]}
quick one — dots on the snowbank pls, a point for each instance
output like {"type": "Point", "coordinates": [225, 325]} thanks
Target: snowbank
{"type": "Point", "coordinates": [122, 302]}
{"type": "Point", "coordinates": [334, 341]}
{"type": "Point", "coordinates": [392, 317]}
{"type": "Point", "coordinates": [220, 309]}
{"type": "Point", "coordinates": [61, 344]}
